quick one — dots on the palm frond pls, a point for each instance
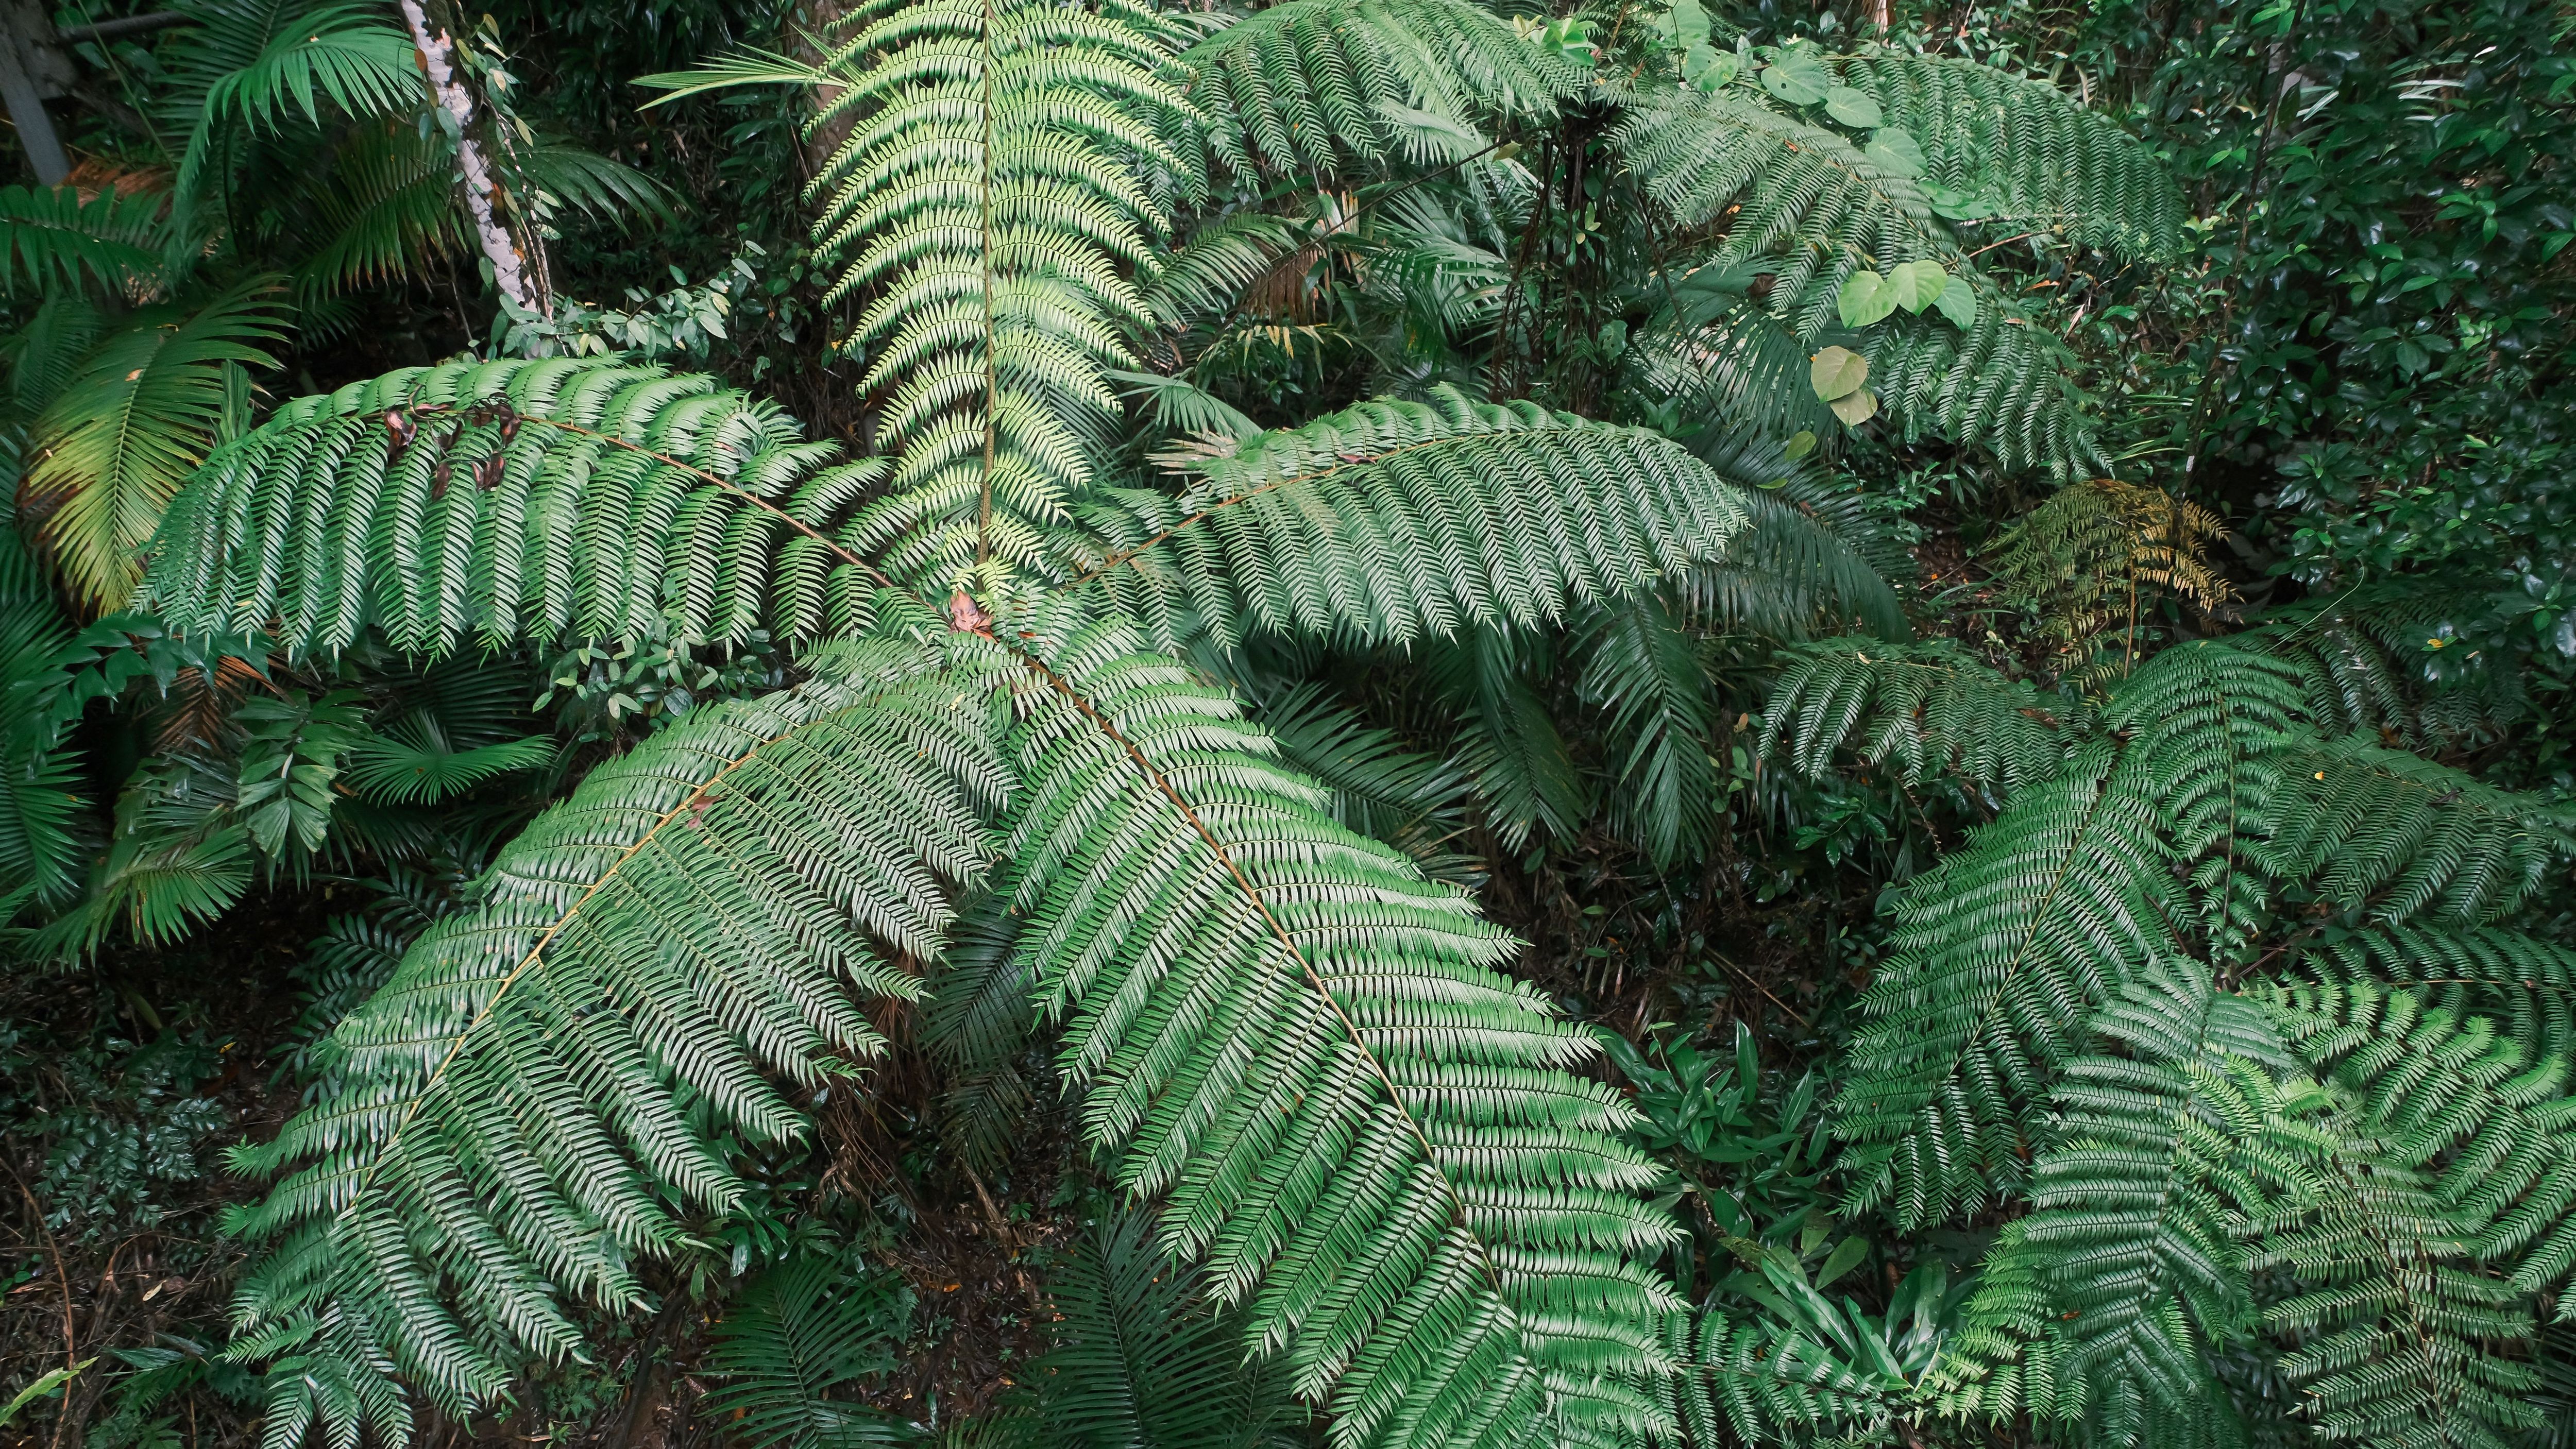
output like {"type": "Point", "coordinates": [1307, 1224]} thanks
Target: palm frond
{"type": "Point", "coordinates": [1140, 1362]}
{"type": "Point", "coordinates": [795, 1333]}
{"type": "Point", "coordinates": [50, 237]}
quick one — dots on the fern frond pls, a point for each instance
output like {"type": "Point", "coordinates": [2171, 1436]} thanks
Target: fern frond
{"type": "Point", "coordinates": [1805, 206]}
{"type": "Point", "coordinates": [2525, 985]}
{"type": "Point", "coordinates": [1140, 1363]}
{"type": "Point", "coordinates": [387, 208]}
{"type": "Point", "coordinates": [988, 196]}
{"type": "Point", "coordinates": [1507, 738]}
{"type": "Point", "coordinates": [53, 238]}
{"type": "Point", "coordinates": [793, 1335]}
{"type": "Point", "coordinates": [1754, 1381]}
{"type": "Point", "coordinates": [1804, 566]}
{"type": "Point", "coordinates": [2408, 1337]}
{"type": "Point", "coordinates": [1643, 670]}
{"type": "Point", "coordinates": [1320, 85]}
{"type": "Point", "coordinates": [1925, 710]}
{"type": "Point", "coordinates": [1390, 521]}
{"type": "Point", "coordinates": [491, 501]}
{"type": "Point", "coordinates": [1414, 802]}
{"type": "Point", "coordinates": [2048, 161]}
{"type": "Point", "coordinates": [117, 444]}
{"type": "Point", "coordinates": [686, 922]}
{"type": "Point", "coordinates": [2398, 836]}
{"type": "Point", "coordinates": [1301, 1049]}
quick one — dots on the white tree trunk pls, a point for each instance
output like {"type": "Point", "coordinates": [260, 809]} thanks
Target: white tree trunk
{"type": "Point", "coordinates": [509, 267]}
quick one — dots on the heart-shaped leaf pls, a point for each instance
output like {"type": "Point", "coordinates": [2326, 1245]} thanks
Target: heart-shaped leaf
{"type": "Point", "coordinates": [1915, 285]}
{"type": "Point", "coordinates": [1855, 408]}
{"type": "Point", "coordinates": [1866, 297]}
{"type": "Point", "coordinates": [1960, 205]}
{"type": "Point", "coordinates": [1853, 108]}
{"type": "Point", "coordinates": [1895, 149]}
{"type": "Point", "coordinates": [1798, 78]}
{"type": "Point", "coordinates": [1958, 302]}
{"type": "Point", "coordinates": [1838, 372]}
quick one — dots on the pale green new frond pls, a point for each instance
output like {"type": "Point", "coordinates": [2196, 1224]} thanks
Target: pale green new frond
{"type": "Point", "coordinates": [509, 1119]}
{"type": "Point", "coordinates": [1393, 521]}
{"type": "Point", "coordinates": [1926, 709]}
{"type": "Point", "coordinates": [119, 441]}
{"type": "Point", "coordinates": [1300, 1047]}
{"type": "Point", "coordinates": [483, 502]}
{"type": "Point", "coordinates": [2048, 161]}
{"type": "Point", "coordinates": [1320, 85]}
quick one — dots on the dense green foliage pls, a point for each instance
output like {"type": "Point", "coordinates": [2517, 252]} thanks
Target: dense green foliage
{"type": "Point", "coordinates": [1361, 722]}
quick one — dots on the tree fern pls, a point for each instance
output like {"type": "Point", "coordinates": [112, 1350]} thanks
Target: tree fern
{"type": "Point", "coordinates": [686, 921]}
{"type": "Point", "coordinates": [1926, 710]}
{"type": "Point", "coordinates": [1808, 208]}
{"type": "Point", "coordinates": [1747, 1380]}
{"type": "Point", "coordinates": [2048, 161]}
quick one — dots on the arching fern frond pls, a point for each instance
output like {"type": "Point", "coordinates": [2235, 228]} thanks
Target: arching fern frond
{"type": "Point", "coordinates": [989, 197]}
{"type": "Point", "coordinates": [2525, 985]}
{"type": "Point", "coordinates": [1300, 1047]}
{"type": "Point", "coordinates": [1318, 85]}
{"type": "Point", "coordinates": [1752, 1381]}
{"type": "Point", "coordinates": [1392, 521]}
{"type": "Point", "coordinates": [2047, 160]}
{"type": "Point", "coordinates": [1808, 564]}
{"type": "Point", "coordinates": [1926, 709]}
{"type": "Point", "coordinates": [492, 501]}
{"type": "Point", "coordinates": [688, 921]}
{"type": "Point", "coordinates": [791, 1337]}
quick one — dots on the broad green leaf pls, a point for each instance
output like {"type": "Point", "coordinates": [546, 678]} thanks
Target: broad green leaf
{"type": "Point", "coordinates": [1803, 442]}
{"type": "Point", "coordinates": [1958, 302]}
{"type": "Point", "coordinates": [1710, 69]}
{"type": "Point", "coordinates": [1915, 285]}
{"type": "Point", "coordinates": [1853, 108]}
{"type": "Point", "coordinates": [1866, 297]}
{"type": "Point", "coordinates": [1798, 78]}
{"type": "Point", "coordinates": [1959, 204]}
{"type": "Point", "coordinates": [1855, 408]}
{"type": "Point", "coordinates": [1687, 25]}
{"type": "Point", "coordinates": [1837, 372]}
{"type": "Point", "coordinates": [1895, 149]}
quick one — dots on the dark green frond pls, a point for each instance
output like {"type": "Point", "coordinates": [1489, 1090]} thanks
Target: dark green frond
{"type": "Point", "coordinates": [1300, 1048]}
{"type": "Point", "coordinates": [640, 958]}
{"type": "Point", "coordinates": [50, 236]}
{"type": "Point", "coordinates": [2045, 159]}
{"type": "Point", "coordinates": [1753, 1381]}
{"type": "Point", "coordinates": [486, 502]}
{"type": "Point", "coordinates": [2525, 985]}
{"type": "Point", "coordinates": [793, 1335]}
{"type": "Point", "coordinates": [1926, 709]}
{"type": "Point", "coordinates": [1320, 85]}
{"type": "Point", "coordinates": [1395, 521]}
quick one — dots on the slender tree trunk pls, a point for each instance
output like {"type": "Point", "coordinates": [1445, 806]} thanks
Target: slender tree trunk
{"type": "Point", "coordinates": [509, 265]}
{"type": "Point", "coordinates": [29, 70]}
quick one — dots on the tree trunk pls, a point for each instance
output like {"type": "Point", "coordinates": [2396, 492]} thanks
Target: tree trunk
{"type": "Point", "coordinates": [437, 60]}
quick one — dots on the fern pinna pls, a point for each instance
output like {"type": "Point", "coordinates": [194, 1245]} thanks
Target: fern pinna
{"type": "Point", "coordinates": [2222, 992]}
